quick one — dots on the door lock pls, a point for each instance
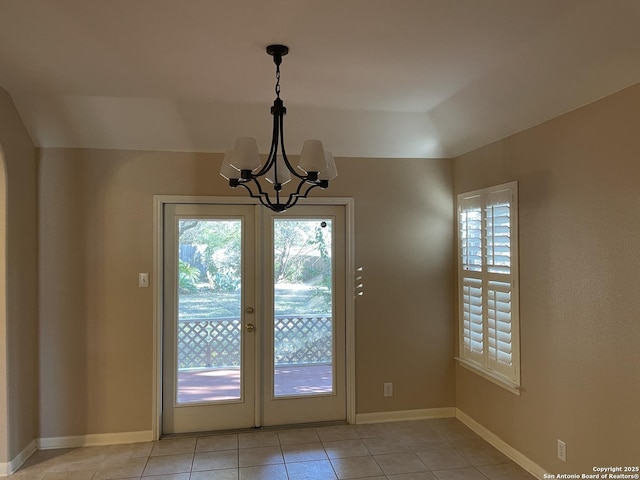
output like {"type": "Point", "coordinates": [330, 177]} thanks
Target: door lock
{"type": "Point", "coordinates": [250, 327]}
{"type": "Point", "coordinates": [249, 310]}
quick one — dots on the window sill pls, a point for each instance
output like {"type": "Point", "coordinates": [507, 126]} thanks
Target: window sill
{"type": "Point", "coordinates": [491, 376]}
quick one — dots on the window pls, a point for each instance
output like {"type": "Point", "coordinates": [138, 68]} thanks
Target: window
{"type": "Point", "coordinates": [488, 284]}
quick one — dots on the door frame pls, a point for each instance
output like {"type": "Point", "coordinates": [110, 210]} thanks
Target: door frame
{"type": "Point", "coordinates": [157, 274]}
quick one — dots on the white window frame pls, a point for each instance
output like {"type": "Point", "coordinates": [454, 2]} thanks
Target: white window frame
{"type": "Point", "coordinates": [482, 282]}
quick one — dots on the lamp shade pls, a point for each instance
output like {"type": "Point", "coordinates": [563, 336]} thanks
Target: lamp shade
{"type": "Point", "coordinates": [227, 170]}
{"type": "Point", "coordinates": [330, 172]}
{"type": "Point", "coordinates": [284, 175]}
{"type": "Point", "coordinates": [246, 154]}
{"type": "Point", "coordinates": [312, 158]}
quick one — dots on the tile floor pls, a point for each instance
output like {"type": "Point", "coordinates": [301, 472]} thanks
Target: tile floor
{"type": "Point", "coordinates": [438, 449]}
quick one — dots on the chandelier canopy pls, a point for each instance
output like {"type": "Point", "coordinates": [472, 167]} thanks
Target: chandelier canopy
{"type": "Point", "coordinates": [243, 167]}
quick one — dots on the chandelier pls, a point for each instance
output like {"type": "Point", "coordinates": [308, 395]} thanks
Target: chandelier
{"type": "Point", "coordinates": [243, 167]}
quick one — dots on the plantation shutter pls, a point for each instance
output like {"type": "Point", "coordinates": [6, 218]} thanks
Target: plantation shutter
{"type": "Point", "coordinates": [471, 258]}
{"type": "Point", "coordinates": [499, 327]}
{"type": "Point", "coordinates": [473, 318]}
{"type": "Point", "coordinates": [471, 233]}
{"type": "Point", "coordinates": [488, 280]}
{"type": "Point", "coordinates": [498, 231]}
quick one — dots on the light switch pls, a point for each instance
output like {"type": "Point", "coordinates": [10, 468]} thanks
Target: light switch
{"type": "Point", "coordinates": [143, 280]}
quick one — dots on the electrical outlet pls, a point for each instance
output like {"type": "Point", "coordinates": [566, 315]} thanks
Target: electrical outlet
{"type": "Point", "coordinates": [562, 450]}
{"type": "Point", "coordinates": [388, 389]}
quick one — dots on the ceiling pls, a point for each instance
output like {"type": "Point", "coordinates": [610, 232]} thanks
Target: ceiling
{"type": "Point", "coordinates": [371, 78]}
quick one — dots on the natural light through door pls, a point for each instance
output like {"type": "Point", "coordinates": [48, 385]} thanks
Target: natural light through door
{"type": "Point", "coordinates": [254, 310]}
{"type": "Point", "coordinates": [304, 308]}
{"type": "Point", "coordinates": [209, 310]}
{"type": "Point", "coordinates": [209, 338]}
{"type": "Point", "coordinates": [303, 304]}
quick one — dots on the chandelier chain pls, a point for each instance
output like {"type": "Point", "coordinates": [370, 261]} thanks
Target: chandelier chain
{"type": "Point", "coordinates": [278, 81]}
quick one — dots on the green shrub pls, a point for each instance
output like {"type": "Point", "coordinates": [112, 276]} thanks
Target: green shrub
{"type": "Point", "coordinates": [188, 277]}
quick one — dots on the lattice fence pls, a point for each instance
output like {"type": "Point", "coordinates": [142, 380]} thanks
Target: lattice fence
{"type": "Point", "coordinates": [214, 343]}
{"type": "Point", "coordinates": [303, 340]}
{"type": "Point", "coordinates": [209, 343]}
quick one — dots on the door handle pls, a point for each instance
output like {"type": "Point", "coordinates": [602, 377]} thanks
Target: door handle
{"type": "Point", "coordinates": [250, 327]}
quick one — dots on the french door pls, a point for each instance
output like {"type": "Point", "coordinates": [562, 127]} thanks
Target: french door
{"type": "Point", "coordinates": [254, 316]}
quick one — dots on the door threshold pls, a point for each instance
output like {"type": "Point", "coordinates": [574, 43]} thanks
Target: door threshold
{"type": "Point", "coordinates": [271, 428]}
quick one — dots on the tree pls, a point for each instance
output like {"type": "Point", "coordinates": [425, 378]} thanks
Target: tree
{"type": "Point", "coordinates": [301, 250]}
{"type": "Point", "coordinates": [218, 245]}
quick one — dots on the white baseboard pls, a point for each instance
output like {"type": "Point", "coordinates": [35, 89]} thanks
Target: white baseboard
{"type": "Point", "coordinates": [96, 439]}
{"type": "Point", "coordinates": [11, 467]}
{"type": "Point", "coordinates": [519, 458]}
{"type": "Point", "coordinates": [405, 415]}
{"type": "Point", "coordinates": [91, 440]}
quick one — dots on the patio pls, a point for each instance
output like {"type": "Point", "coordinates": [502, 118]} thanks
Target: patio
{"type": "Point", "coordinates": [219, 384]}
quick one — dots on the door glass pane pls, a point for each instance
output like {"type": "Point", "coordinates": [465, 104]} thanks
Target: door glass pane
{"type": "Point", "coordinates": [209, 310]}
{"type": "Point", "coordinates": [303, 305]}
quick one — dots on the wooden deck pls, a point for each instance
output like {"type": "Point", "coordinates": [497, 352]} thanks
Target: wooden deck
{"type": "Point", "coordinates": [219, 384]}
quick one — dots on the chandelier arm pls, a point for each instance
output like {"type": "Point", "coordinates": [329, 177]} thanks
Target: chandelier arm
{"type": "Point", "coordinates": [248, 189]}
{"type": "Point", "coordinates": [311, 187]}
{"type": "Point", "coordinates": [271, 158]}
{"type": "Point", "coordinates": [276, 186]}
{"type": "Point", "coordinates": [295, 196]}
{"type": "Point", "coordinates": [244, 184]}
{"type": "Point", "coordinates": [293, 199]}
{"type": "Point", "coordinates": [274, 161]}
{"type": "Point", "coordinates": [261, 193]}
{"type": "Point", "coordinates": [284, 154]}
{"type": "Point", "coordinates": [264, 198]}
{"type": "Point", "coordinates": [300, 185]}
{"type": "Point", "coordinates": [267, 203]}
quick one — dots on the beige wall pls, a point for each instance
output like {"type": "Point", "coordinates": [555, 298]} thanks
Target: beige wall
{"type": "Point", "coordinates": [19, 384]}
{"type": "Point", "coordinates": [96, 324]}
{"type": "Point", "coordinates": [579, 187]}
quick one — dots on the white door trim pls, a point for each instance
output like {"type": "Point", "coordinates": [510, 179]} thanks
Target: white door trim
{"type": "Point", "coordinates": [156, 281]}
